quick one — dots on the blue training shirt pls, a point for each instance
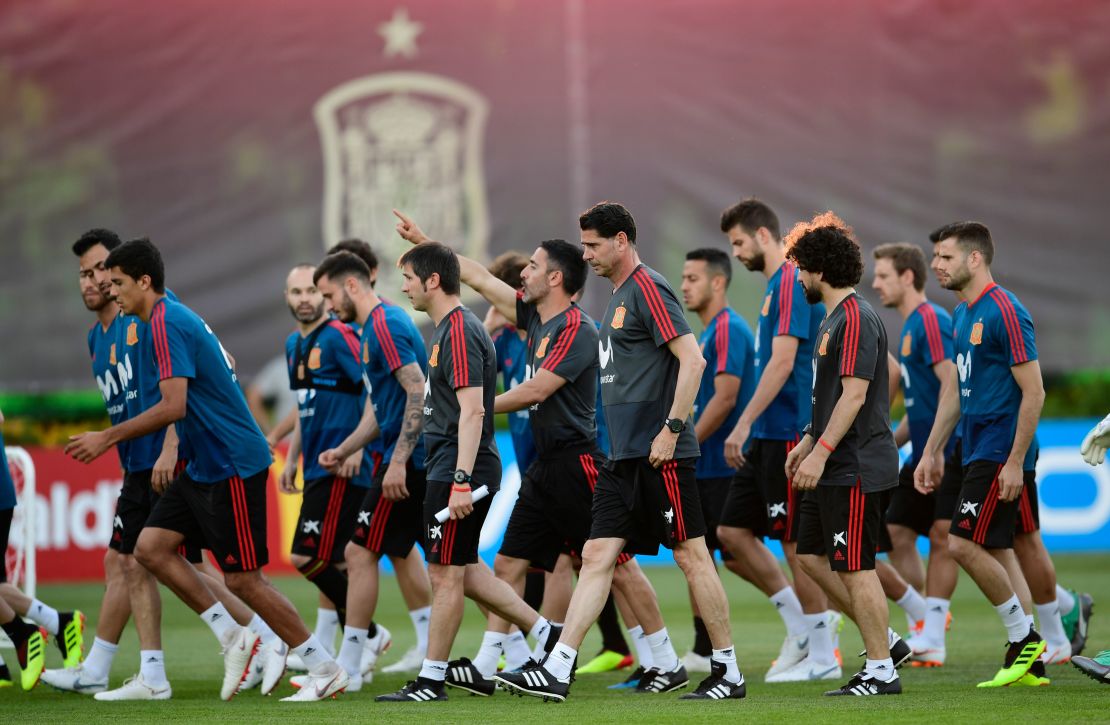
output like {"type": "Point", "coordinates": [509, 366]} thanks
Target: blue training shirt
{"type": "Point", "coordinates": [7, 485]}
{"type": "Point", "coordinates": [113, 370]}
{"type": "Point", "coordinates": [218, 429]}
{"type": "Point", "coordinates": [325, 373]}
{"type": "Point", "coordinates": [728, 346]}
{"type": "Point", "coordinates": [926, 340]}
{"type": "Point", "coordinates": [512, 359]}
{"type": "Point", "coordinates": [992, 334]}
{"type": "Point", "coordinates": [786, 312]}
{"type": "Point", "coordinates": [391, 340]}
{"type": "Point", "coordinates": [135, 338]}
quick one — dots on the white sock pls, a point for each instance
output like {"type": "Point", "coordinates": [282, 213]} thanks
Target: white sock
{"type": "Point", "coordinates": [1065, 600]}
{"type": "Point", "coordinates": [152, 667]}
{"type": "Point", "coordinates": [936, 620]}
{"type": "Point", "coordinates": [560, 662]}
{"type": "Point", "coordinates": [350, 652]}
{"type": "Point", "coordinates": [1052, 629]}
{"type": "Point", "coordinates": [489, 653]}
{"type": "Point", "coordinates": [882, 670]}
{"type": "Point", "coordinates": [1031, 621]}
{"type": "Point", "coordinates": [663, 656]}
{"type": "Point", "coordinates": [727, 657]}
{"type": "Point", "coordinates": [433, 670]}
{"type": "Point", "coordinates": [420, 619]}
{"type": "Point", "coordinates": [790, 609]}
{"type": "Point", "coordinates": [1013, 619]}
{"type": "Point", "coordinates": [516, 650]}
{"type": "Point", "coordinates": [43, 615]}
{"type": "Point", "coordinates": [643, 649]}
{"type": "Point", "coordinates": [98, 663]}
{"type": "Point", "coordinates": [218, 620]}
{"type": "Point", "coordinates": [821, 648]}
{"type": "Point", "coordinates": [892, 637]}
{"type": "Point", "coordinates": [327, 627]}
{"type": "Point", "coordinates": [913, 604]}
{"type": "Point", "coordinates": [259, 627]}
{"type": "Point", "coordinates": [313, 654]}
{"type": "Point", "coordinates": [539, 632]}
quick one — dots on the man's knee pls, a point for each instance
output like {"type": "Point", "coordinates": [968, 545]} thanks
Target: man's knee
{"type": "Point", "coordinates": [149, 550]}
{"type": "Point", "coordinates": [509, 568]}
{"type": "Point", "coordinates": [812, 564]}
{"type": "Point", "coordinates": [691, 555]}
{"type": "Point", "coordinates": [938, 535]}
{"type": "Point", "coordinates": [600, 554]}
{"type": "Point", "coordinates": [961, 549]}
{"type": "Point", "coordinates": [243, 583]}
{"type": "Point", "coordinates": [445, 576]}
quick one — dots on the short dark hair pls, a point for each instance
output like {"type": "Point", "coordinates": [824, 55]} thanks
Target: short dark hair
{"type": "Point", "coordinates": [567, 258]}
{"type": "Point", "coordinates": [340, 265]}
{"type": "Point", "coordinates": [905, 256]}
{"type": "Point", "coordinates": [104, 237]}
{"type": "Point", "coordinates": [431, 258]}
{"type": "Point", "coordinates": [826, 245]}
{"type": "Point", "coordinates": [360, 249]}
{"type": "Point", "coordinates": [716, 260]}
{"type": "Point", "coordinates": [750, 214]}
{"type": "Point", "coordinates": [608, 219]}
{"type": "Point", "coordinates": [137, 258]}
{"type": "Point", "coordinates": [971, 236]}
{"type": "Point", "coordinates": [507, 267]}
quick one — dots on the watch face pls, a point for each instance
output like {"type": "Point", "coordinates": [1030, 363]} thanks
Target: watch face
{"type": "Point", "coordinates": [460, 477]}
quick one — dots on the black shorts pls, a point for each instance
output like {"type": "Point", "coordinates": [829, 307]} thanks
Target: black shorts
{"type": "Point", "coordinates": [908, 506]}
{"type": "Point", "coordinates": [136, 501]}
{"type": "Point", "coordinates": [713, 492]}
{"type": "Point", "coordinates": [553, 513]}
{"type": "Point", "coordinates": [455, 541]}
{"type": "Point", "coordinates": [329, 507]}
{"type": "Point", "coordinates": [760, 498]}
{"type": "Point", "coordinates": [844, 524]}
{"type": "Point", "coordinates": [392, 528]}
{"type": "Point", "coordinates": [647, 506]}
{"type": "Point", "coordinates": [5, 532]}
{"type": "Point", "coordinates": [228, 516]}
{"type": "Point", "coordinates": [980, 515]}
{"type": "Point", "coordinates": [948, 494]}
{"type": "Point", "coordinates": [1029, 510]}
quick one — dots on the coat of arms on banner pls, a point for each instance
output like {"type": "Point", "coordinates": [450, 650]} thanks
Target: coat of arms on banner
{"type": "Point", "coordinates": [410, 141]}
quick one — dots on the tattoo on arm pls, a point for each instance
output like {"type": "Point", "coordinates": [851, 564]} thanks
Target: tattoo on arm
{"type": "Point", "coordinates": [412, 380]}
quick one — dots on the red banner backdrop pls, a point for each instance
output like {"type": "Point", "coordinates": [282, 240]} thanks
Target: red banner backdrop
{"type": "Point", "coordinates": [75, 504]}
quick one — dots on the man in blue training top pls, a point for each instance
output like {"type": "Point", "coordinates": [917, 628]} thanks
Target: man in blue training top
{"type": "Point", "coordinates": [220, 498]}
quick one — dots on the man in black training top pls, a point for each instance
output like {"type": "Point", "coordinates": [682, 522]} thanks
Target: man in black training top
{"type": "Point", "coordinates": [847, 457]}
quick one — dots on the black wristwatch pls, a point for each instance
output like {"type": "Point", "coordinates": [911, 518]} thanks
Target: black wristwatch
{"type": "Point", "coordinates": [462, 476]}
{"type": "Point", "coordinates": [676, 425]}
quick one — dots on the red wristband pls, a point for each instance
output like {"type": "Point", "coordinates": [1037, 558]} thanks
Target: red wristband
{"type": "Point", "coordinates": [826, 445]}
{"type": "Point", "coordinates": [461, 489]}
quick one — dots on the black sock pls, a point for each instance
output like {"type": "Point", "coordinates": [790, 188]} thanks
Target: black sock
{"type": "Point", "coordinates": [332, 582]}
{"type": "Point", "coordinates": [18, 631]}
{"type": "Point", "coordinates": [372, 630]}
{"type": "Point", "coordinates": [533, 589]}
{"type": "Point", "coordinates": [612, 635]}
{"type": "Point", "coordinates": [702, 645]}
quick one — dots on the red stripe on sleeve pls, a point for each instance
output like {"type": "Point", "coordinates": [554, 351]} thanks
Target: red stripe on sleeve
{"type": "Point", "coordinates": [385, 338]}
{"type": "Point", "coordinates": [786, 297]}
{"type": "Point", "coordinates": [655, 304]}
{"type": "Point", "coordinates": [566, 339]}
{"type": "Point", "coordinates": [348, 336]}
{"type": "Point", "coordinates": [932, 332]}
{"type": "Point", "coordinates": [458, 350]}
{"type": "Point", "coordinates": [1013, 325]}
{"type": "Point", "coordinates": [722, 341]}
{"type": "Point", "coordinates": [850, 348]}
{"type": "Point", "coordinates": [161, 344]}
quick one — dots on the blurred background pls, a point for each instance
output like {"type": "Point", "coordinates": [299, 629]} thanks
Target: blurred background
{"type": "Point", "coordinates": [245, 137]}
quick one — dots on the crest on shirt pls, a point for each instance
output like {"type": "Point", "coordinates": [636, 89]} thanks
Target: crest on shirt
{"type": "Point", "coordinates": [314, 359]}
{"type": "Point", "coordinates": [618, 318]}
{"type": "Point", "coordinates": [824, 349]}
{"type": "Point", "coordinates": [907, 344]}
{"type": "Point", "coordinates": [133, 333]}
{"type": "Point", "coordinates": [766, 306]}
{"type": "Point", "coordinates": [977, 333]}
{"type": "Point", "coordinates": [112, 354]}
{"type": "Point", "coordinates": [542, 349]}
{"type": "Point", "coordinates": [434, 359]}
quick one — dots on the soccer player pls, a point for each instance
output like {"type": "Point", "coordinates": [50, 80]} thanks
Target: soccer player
{"type": "Point", "coordinates": [390, 515]}
{"type": "Point", "coordinates": [927, 373]}
{"type": "Point", "coordinates": [1093, 450]}
{"type": "Point", "coordinates": [646, 492]}
{"type": "Point", "coordinates": [553, 509]}
{"type": "Point", "coordinates": [1000, 397]}
{"type": "Point", "coordinates": [847, 457]}
{"type": "Point", "coordinates": [461, 453]}
{"type": "Point", "coordinates": [324, 370]}
{"type": "Point", "coordinates": [220, 497]}
{"type": "Point", "coordinates": [29, 639]}
{"type": "Point", "coordinates": [760, 501]}
{"type": "Point", "coordinates": [726, 387]}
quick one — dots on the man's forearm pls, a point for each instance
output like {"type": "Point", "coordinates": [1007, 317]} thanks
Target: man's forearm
{"type": "Point", "coordinates": [470, 436]}
{"type": "Point", "coordinates": [843, 415]}
{"type": "Point", "coordinates": [686, 389]}
{"type": "Point", "coordinates": [1028, 415]}
{"type": "Point", "coordinates": [154, 418]}
{"type": "Point", "coordinates": [412, 422]}
{"type": "Point", "coordinates": [948, 414]}
{"type": "Point", "coordinates": [770, 384]}
{"type": "Point", "coordinates": [715, 413]}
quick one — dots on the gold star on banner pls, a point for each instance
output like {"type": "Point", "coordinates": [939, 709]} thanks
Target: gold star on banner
{"type": "Point", "coordinates": [400, 34]}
